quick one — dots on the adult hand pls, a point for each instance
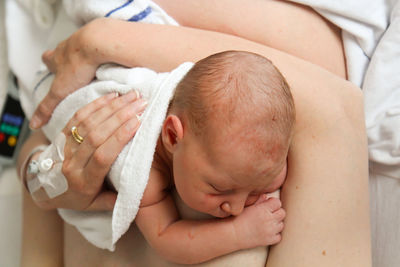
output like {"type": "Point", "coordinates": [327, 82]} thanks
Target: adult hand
{"type": "Point", "coordinates": [106, 125]}
{"type": "Point", "coordinates": [74, 65]}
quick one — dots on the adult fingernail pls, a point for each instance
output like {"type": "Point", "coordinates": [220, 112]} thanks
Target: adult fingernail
{"type": "Point", "coordinates": [138, 94]}
{"type": "Point", "coordinates": [132, 124]}
{"type": "Point", "coordinates": [112, 95]}
{"type": "Point", "coordinates": [130, 96]}
{"type": "Point", "coordinates": [143, 103]}
{"type": "Point", "coordinates": [35, 122]}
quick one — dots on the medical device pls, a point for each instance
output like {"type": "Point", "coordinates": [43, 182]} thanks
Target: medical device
{"type": "Point", "coordinates": [13, 125]}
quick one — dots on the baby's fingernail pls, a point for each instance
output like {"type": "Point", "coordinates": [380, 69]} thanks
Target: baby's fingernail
{"type": "Point", "coordinates": [35, 122]}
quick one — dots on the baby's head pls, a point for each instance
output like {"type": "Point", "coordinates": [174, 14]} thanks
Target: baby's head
{"type": "Point", "coordinates": [228, 132]}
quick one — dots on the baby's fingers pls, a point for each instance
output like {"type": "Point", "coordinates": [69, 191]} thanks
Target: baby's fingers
{"type": "Point", "coordinates": [280, 214]}
{"type": "Point", "coordinates": [272, 203]}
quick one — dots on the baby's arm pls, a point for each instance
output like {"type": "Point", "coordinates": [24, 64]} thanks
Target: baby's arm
{"type": "Point", "coordinates": [190, 242]}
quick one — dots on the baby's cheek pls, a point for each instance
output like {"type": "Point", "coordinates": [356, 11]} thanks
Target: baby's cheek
{"type": "Point", "coordinates": [210, 201]}
{"type": "Point", "coordinates": [282, 175]}
{"type": "Point", "coordinates": [278, 181]}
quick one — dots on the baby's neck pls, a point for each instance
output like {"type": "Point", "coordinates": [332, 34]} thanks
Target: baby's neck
{"type": "Point", "coordinates": [163, 159]}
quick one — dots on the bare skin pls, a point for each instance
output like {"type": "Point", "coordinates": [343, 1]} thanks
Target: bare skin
{"type": "Point", "coordinates": [288, 27]}
{"type": "Point", "coordinates": [340, 214]}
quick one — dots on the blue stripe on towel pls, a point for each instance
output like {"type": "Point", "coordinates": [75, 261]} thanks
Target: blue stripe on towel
{"type": "Point", "coordinates": [41, 81]}
{"type": "Point", "coordinates": [141, 15]}
{"type": "Point", "coordinates": [118, 8]}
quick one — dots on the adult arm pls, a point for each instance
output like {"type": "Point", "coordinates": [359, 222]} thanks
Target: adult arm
{"type": "Point", "coordinates": [292, 28]}
{"type": "Point", "coordinates": [326, 194]}
{"type": "Point", "coordinates": [42, 236]}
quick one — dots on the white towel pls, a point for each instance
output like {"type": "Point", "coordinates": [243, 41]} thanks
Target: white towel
{"type": "Point", "coordinates": [129, 174]}
{"type": "Point", "coordinates": [131, 10]}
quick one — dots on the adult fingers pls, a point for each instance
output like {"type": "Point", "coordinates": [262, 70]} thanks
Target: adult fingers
{"type": "Point", "coordinates": [104, 201]}
{"type": "Point", "coordinates": [46, 107]}
{"type": "Point", "coordinates": [106, 154]}
{"type": "Point", "coordinates": [71, 146]}
{"type": "Point", "coordinates": [89, 119]}
{"type": "Point", "coordinates": [69, 77]}
{"type": "Point", "coordinates": [87, 111]}
{"type": "Point", "coordinates": [43, 112]}
{"type": "Point", "coordinates": [98, 134]}
{"type": "Point", "coordinates": [47, 58]}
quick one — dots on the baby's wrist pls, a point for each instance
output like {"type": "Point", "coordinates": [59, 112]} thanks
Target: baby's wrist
{"type": "Point", "coordinates": [244, 238]}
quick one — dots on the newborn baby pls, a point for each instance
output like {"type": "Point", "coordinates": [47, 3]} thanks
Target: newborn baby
{"type": "Point", "coordinates": [223, 146]}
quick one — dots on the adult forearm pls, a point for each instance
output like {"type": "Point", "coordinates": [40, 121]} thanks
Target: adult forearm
{"type": "Point", "coordinates": [42, 236]}
{"type": "Point", "coordinates": [158, 47]}
{"type": "Point", "coordinates": [284, 25]}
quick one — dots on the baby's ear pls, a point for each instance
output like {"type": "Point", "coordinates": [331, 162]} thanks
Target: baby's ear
{"type": "Point", "coordinates": [172, 132]}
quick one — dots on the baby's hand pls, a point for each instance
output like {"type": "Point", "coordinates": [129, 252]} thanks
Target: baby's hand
{"type": "Point", "coordinates": [260, 224]}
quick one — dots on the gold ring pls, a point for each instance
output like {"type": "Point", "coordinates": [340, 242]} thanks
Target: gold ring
{"type": "Point", "coordinates": [76, 136]}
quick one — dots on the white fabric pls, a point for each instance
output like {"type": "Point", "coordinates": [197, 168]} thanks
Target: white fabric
{"type": "Point", "coordinates": [139, 10]}
{"type": "Point", "coordinates": [385, 219]}
{"type": "Point", "coordinates": [129, 173]}
{"type": "Point", "coordinates": [3, 56]}
{"type": "Point", "coordinates": [43, 11]}
{"type": "Point", "coordinates": [25, 63]}
{"type": "Point", "coordinates": [363, 24]}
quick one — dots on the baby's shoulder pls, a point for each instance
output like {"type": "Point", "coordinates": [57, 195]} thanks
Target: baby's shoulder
{"type": "Point", "coordinates": [158, 184]}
